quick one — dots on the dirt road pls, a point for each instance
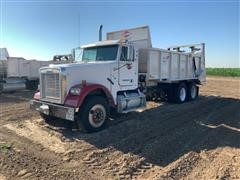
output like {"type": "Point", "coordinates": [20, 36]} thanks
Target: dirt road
{"type": "Point", "coordinates": [196, 140]}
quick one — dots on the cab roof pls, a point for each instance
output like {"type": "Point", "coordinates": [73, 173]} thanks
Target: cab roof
{"type": "Point", "coordinates": [102, 43]}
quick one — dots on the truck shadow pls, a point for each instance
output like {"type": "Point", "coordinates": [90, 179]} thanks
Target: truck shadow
{"type": "Point", "coordinates": [163, 134]}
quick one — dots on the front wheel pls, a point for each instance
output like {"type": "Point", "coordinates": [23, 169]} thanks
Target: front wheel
{"type": "Point", "coordinates": [94, 114]}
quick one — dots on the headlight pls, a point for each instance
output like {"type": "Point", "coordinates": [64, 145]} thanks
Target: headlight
{"type": "Point", "coordinates": [75, 91]}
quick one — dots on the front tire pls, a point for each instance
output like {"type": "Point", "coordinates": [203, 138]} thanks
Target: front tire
{"type": "Point", "coordinates": [94, 114]}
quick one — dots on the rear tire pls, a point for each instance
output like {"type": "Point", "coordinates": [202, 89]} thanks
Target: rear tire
{"type": "Point", "coordinates": [193, 91]}
{"type": "Point", "coordinates": [94, 114]}
{"type": "Point", "coordinates": [181, 93]}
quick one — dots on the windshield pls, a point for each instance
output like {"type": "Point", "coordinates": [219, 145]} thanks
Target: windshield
{"type": "Point", "coordinates": [100, 53]}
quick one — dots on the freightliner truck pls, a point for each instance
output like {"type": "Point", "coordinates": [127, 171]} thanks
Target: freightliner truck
{"type": "Point", "coordinates": [118, 75]}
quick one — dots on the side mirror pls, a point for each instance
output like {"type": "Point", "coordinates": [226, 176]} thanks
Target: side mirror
{"type": "Point", "coordinates": [130, 53]}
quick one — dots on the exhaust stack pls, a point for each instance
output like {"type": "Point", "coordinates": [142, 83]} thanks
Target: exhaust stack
{"type": "Point", "coordinates": [100, 32]}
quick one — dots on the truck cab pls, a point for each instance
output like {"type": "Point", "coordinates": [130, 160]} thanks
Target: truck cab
{"type": "Point", "coordinates": [104, 78]}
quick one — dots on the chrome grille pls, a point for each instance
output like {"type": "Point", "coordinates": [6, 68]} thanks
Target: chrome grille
{"type": "Point", "coordinates": [50, 87]}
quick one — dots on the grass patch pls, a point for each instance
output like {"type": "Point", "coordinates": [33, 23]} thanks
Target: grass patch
{"type": "Point", "coordinates": [232, 72]}
{"type": "Point", "coordinates": [5, 146]}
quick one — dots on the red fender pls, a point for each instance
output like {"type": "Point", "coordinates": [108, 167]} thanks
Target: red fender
{"type": "Point", "coordinates": [76, 101]}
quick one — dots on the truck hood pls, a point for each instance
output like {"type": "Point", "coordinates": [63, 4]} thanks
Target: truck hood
{"type": "Point", "coordinates": [80, 65]}
{"type": "Point", "coordinates": [92, 72]}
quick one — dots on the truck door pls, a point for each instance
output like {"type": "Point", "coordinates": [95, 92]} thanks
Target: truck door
{"type": "Point", "coordinates": [127, 75]}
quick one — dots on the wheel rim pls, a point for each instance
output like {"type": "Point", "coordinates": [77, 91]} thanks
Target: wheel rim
{"type": "Point", "coordinates": [193, 91]}
{"type": "Point", "coordinates": [97, 115]}
{"type": "Point", "coordinates": [182, 94]}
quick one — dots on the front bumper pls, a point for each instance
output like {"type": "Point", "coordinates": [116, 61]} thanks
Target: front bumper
{"type": "Point", "coordinates": [55, 110]}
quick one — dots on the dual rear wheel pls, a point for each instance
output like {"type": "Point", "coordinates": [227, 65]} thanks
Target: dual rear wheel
{"type": "Point", "coordinates": [193, 91]}
{"type": "Point", "coordinates": [183, 92]}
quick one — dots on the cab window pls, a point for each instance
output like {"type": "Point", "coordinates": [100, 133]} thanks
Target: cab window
{"type": "Point", "coordinates": [100, 53]}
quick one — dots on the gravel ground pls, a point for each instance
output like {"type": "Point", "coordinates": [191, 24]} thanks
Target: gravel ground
{"type": "Point", "coordinates": [195, 140]}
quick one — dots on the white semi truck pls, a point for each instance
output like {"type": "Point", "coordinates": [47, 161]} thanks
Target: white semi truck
{"type": "Point", "coordinates": [118, 75]}
{"type": "Point", "coordinates": [17, 73]}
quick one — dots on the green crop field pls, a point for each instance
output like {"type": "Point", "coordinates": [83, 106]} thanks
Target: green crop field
{"type": "Point", "coordinates": [233, 72]}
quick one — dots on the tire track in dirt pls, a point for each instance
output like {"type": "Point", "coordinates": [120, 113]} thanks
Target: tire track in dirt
{"type": "Point", "coordinates": [139, 165]}
{"type": "Point", "coordinates": [117, 163]}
